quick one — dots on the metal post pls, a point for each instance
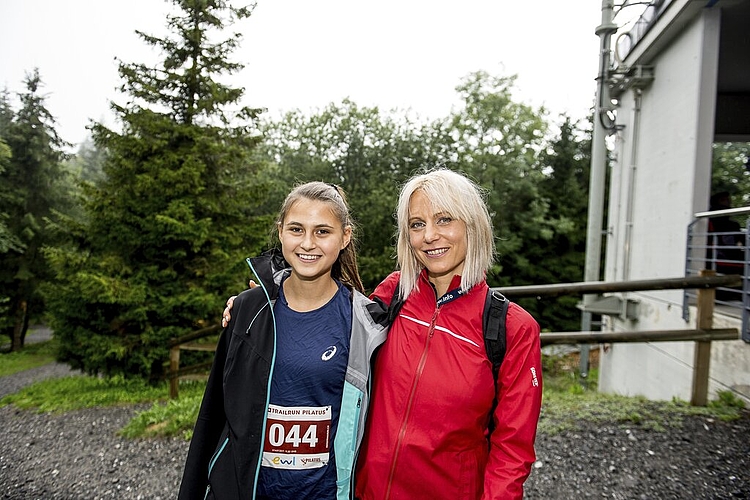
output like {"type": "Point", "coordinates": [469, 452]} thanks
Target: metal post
{"type": "Point", "coordinates": [598, 170]}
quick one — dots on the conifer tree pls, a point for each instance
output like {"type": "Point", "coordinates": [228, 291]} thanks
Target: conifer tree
{"type": "Point", "coordinates": [30, 190]}
{"type": "Point", "coordinates": [167, 227]}
{"type": "Point", "coordinates": [560, 258]}
{"type": "Point", "coordinates": [8, 240]}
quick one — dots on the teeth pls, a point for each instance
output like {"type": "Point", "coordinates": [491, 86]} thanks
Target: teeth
{"type": "Point", "coordinates": [307, 257]}
{"type": "Point", "coordinates": [439, 251]}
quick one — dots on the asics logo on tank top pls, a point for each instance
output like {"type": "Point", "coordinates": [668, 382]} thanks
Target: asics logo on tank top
{"type": "Point", "coordinates": [329, 353]}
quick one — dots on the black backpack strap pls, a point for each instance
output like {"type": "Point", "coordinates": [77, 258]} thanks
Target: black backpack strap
{"type": "Point", "coordinates": [396, 302]}
{"type": "Point", "coordinates": [495, 312]}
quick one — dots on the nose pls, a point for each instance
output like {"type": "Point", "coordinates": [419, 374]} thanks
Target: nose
{"type": "Point", "coordinates": [308, 241]}
{"type": "Point", "coordinates": [430, 233]}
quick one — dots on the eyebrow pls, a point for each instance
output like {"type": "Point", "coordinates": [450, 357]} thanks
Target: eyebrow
{"type": "Point", "coordinates": [435, 215]}
{"type": "Point", "coordinates": [295, 223]}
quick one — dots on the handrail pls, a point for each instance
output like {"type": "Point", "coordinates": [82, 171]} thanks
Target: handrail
{"type": "Point", "coordinates": [703, 335]}
{"type": "Point", "coordinates": [197, 334]}
{"type": "Point", "coordinates": [723, 247]}
{"type": "Point", "coordinates": [723, 213]}
{"type": "Point", "coordinates": [175, 372]}
{"type": "Point", "coordinates": [619, 286]}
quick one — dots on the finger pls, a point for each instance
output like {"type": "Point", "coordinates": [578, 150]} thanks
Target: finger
{"type": "Point", "coordinates": [252, 284]}
{"type": "Point", "coordinates": [226, 316]}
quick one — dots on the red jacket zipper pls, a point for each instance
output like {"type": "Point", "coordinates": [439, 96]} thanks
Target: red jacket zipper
{"type": "Point", "coordinates": [418, 375]}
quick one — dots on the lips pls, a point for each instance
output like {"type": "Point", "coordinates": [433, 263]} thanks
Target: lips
{"type": "Point", "coordinates": [307, 258]}
{"type": "Point", "coordinates": [437, 252]}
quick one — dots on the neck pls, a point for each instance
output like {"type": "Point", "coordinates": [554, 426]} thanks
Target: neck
{"type": "Point", "coordinates": [308, 295]}
{"type": "Point", "coordinates": [441, 283]}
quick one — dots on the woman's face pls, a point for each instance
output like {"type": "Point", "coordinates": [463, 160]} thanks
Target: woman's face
{"type": "Point", "coordinates": [311, 238]}
{"type": "Point", "coordinates": [438, 241]}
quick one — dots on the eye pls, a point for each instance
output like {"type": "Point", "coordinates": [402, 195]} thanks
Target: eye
{"type": "Point", "coordinates": [294, 229]}
{"type": "Point", "coordinates": [323, 232]}
{"type": "Point", "coordinates": [442, 221]}
{"type": "Point", "coordinates": [416, 225]}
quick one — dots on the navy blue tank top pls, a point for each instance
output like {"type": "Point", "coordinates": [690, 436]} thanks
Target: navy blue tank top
{"type": "Point", "coordinates": [312, 351]}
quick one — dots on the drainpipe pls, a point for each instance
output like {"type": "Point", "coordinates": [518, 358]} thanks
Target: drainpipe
{"type": "Point", "coordinates": [631, 185]}
{"type": "Point", "coordinates": [598, 170]}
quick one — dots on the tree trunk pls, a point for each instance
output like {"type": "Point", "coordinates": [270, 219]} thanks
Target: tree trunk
{"type": "Point", "coordinates": [21, 326]}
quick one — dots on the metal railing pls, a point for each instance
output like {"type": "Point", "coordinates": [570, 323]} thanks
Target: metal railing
{"type": "Point", "coordinates": [710, 245]}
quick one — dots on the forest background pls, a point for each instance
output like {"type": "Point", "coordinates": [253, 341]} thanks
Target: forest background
{"type": "Point", "coordinates": [141, 235]}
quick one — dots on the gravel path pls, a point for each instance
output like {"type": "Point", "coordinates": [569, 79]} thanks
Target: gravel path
{"type": "Point", "coordinates": [17, 381]}
{"type": "Point", "coordinates": [79, 456]}
{"type": "Point", "coordinates": [705, 459]}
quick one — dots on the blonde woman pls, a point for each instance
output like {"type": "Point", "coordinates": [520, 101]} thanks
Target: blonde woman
{"type": "Point", "coordinates": [428, 432]}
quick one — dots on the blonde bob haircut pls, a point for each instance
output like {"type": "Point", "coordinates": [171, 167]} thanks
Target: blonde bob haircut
{"type": "Point", "coordinates": [460, 198]}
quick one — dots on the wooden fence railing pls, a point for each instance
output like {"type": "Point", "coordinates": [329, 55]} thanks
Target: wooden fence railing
{"type": "Point", "coordinates": [703, 335]}
{"type": "Point", "coordinates": [188, 343]}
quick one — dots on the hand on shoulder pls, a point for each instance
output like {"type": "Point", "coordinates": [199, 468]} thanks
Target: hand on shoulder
{"type": "Point", "coordinates": [226, 317]}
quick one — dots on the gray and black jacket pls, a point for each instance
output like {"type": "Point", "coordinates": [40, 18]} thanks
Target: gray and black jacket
{"type": "Point", "coordinates": [224, 458]}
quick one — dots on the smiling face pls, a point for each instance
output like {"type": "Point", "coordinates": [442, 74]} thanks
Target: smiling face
{"type": "Point", "coordinates": [437, 240]}
{"type": "Point", "coordinates": [311, 238]}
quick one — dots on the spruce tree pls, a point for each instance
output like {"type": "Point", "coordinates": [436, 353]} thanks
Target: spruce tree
{"type": "Point", "coordinates": [561, 256]}
{"type": "Point", "coordinates": [30, 191]}
{"type": "Point", "coordinates": [168, 225]}
{"type": "Point", "coordinates": [8, 240]}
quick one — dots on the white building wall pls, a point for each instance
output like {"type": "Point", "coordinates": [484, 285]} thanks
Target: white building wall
{"type": "Point", "coordinates": [660, 178]}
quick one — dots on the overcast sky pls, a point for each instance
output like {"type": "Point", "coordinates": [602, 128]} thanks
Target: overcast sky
{"type": "Point", "coordinates": [305, 54]}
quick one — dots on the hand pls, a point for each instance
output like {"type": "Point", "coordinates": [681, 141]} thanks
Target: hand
{"type": "Point", "coordinates": [227, 316]}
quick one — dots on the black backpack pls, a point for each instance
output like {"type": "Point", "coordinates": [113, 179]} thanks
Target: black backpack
{"type": "Point", "coordinates": [493, 326]}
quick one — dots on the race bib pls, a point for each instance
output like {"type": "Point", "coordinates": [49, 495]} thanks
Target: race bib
{"type": "Point", "coordinates": [297, 437]}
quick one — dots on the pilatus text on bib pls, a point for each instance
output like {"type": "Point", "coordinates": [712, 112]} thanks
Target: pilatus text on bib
{"type": "Point", "coordinates": [297, 437]}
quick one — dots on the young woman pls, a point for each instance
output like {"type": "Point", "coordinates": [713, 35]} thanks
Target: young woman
{"type": "Point", "coordinates": [433, 390]}
{"type": "Point", "coordinates": [283, 412]}
{"type": "Point", "coordinates": [428, 432]}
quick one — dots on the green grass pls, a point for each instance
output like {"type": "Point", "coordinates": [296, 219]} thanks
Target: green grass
{"type": "Point", "coordinates": [75, 392]}
{"type": "Point", "coordinates": [568, 400]}
{"type": "Point", "coordinates": [31, 356]}
{"type": "Point", "coordinates": [176, 417]}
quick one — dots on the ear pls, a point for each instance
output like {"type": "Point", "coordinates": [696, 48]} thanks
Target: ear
{"type": "Point", "coordinates": [278, 228]}
{"type": "Point", "coordinates": [347, 237]}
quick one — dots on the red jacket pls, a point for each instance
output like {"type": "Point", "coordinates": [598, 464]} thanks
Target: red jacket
{"type": "Point", "coordinates": [432, 396]}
